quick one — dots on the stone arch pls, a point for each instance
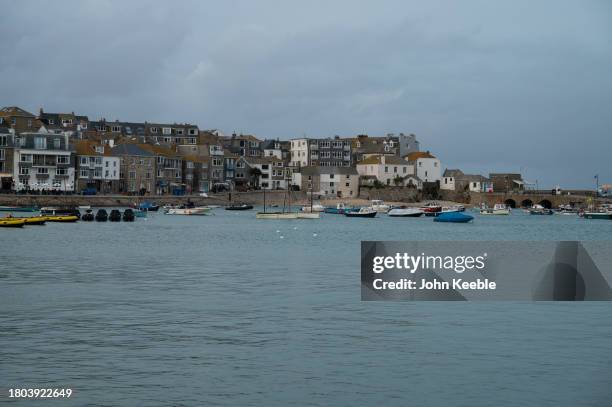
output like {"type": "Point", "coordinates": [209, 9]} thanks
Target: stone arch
{"type": "Point", "coordinates": [546, 203]}
{"type": "Point", "coordinates": [527, 203]}
{"type": "Point", "coordinates": [510, 202]}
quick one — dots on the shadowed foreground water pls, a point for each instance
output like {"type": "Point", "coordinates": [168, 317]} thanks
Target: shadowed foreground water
{"type": "Point", "coordinates": [227, 310]}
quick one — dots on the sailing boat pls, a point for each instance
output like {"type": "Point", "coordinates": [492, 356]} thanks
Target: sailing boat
{"type": "Point", "coordinates": [275, 215]}
{"type": "Point", "coordinates": [309, 215]}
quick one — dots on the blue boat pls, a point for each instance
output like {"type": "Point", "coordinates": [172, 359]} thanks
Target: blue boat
{"type": "Point", "coordinates": [339, 209]}
{"type": "Point", "coordinates": [148, 206]}
{"type": "Point", "coordinates": [454, 217]}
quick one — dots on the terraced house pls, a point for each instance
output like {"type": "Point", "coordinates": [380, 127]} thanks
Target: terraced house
{"type": "Point", "coordinates": [262, 172]}
{"type": "Point", "coordinates": [324, 152]}
{"type": "Point", "coordinates": [168, 170]}
{"type": "Point", "coordinates": [18, 119]}
{"type": "Point", "coordinates": [74, 125]}
{"type": "Point", "coordinates": [43, 162]}
{"type": "Point", "coordinates": [98, 170]}
{"type": "Point", "coordinates": [7, 148]}
{"type": "Point", "coordinates": [172, 134]}
{"type": "Point", "coordinates": [137, 169]}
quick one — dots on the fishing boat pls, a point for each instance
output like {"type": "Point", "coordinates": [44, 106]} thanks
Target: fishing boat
{"type": "Point", "coordinates": [313, 208]}
{"type": "Point", "coordinates": [405, 212]}
{"type": "Point", "coordinates": [338, 209]}
{"type": "Point", "coordinates": [431, 207]}
{"type": "Point", "coordinates": [539, 210]}
{"type": "Point", "coordinates": [498, 209]}
{"type": "Point", "coordinates": [11, 223]}
{"type": "Point", "coordinates": [62, 218]}
{"type": "Point", "coordinates": [379, 206]}
{"type": "Point", "coordinates": [128, 215]}
{"type": "Point", "coordinates": [18, 209]}
{"type": "Point", "coordinates": [197, 211]}
{"type": "Point", "coordinates": [60, 211]}
{"type": "Point", "coordinates": [597, 215]}
{"type": "Point", "coordinates": [239, 207]}
{"type": "Point", "coordinates": [33, 220]}
{"type": "Point", "coordinates": [364, 212]}
{"type": "Point", "coordinates": [453, 217]}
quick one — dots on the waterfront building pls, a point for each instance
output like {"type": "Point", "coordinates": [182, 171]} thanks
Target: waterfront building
{"type": "Point", "coordinates": [389, 170]}
{"type": "Point", "coordinates": [97, 169]}
{"type": "Point", "coordinates": [43, 161]}
{"type": "Point", "coordinates": [427, 167]}
{"type": "Point", "coordinates": [328, 181]}
{"type": "Point", "coordinates": [137, 171]}
{"type": "Point", "coordinates": [171, 134]}
{"type": "Point", "coordinates": [168, 169]}
{"type": "Point", "coordinates": [18, 119]}
{"type": "Point", "coordinates": [195, 173]}
{"type": "Point", "coordinates": [7, 149]}
{"type": "Point", "coordinates": [456, 180]}
{"type": "Point", "coordinates": [262, 172]}
{"type": "Point", "coordinates": [70, 123]}
{"type": "Point", "coordinates": [243, 145]}
{"type": "Point", "coordinates": [324, 152]}
{"type": "Point", "coordinates": [507, 182]}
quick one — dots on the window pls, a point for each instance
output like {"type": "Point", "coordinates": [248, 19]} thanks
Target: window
{"type": "Point", "coordinates": [24, 171]}
{"type": "Point", "coordinates": [106, 174]}
{"type": "Point", "coordinates": [148, 175]}
{"type": "Point", "coordinates": [116, 129]}
{"type": "Point", "coordinates": [189, 164]}
{"type": "Point", "coordinates": [132, 174]}
{"type": "Point", "coordinates": [386, 169]}
{"type": "Point", "coordinates": [61, 171]}
{"type": "Point", "coordinates": [348, 184]}
{"type": "Point", "coordinates": [331, 176]}
{"type": "Point", "coordinates": [153, 129]}
{"type": "Point", "coordinates": [106, 164]}
{"type": "Point", "coordinates": [57, 144]}
{"type": "Point", "coordinates": [83, 160]}
{"type": "Point", "coordinates": [98, 173]}
{"type": "Point", "coordinates": [63, 159]}
{"type": "Point", "coordinates": [167, 130]}
{"type": "Point", "coordinates": [404, 170]}
{"type": "Point", "coordinates": [192, 132]}
{"type": "Point", "coordinates": [1, 154]}
{"type": "Point", "coordinates": [42, 170]}
{"type": "Point", "coordinates": [264, 166]}
{"type": "Point", "coordinates": [29, 122]}
{"type": "Point", "coordinates": [217, 162]}
{"type": "Point", "coordinates": [179, 132]}
{"type": "Point", "coordinates": [40, 143]}
{"type": "Point", "coordinates": [26, 158]}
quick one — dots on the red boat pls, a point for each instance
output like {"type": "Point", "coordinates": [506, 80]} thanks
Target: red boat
{"type": "Point", "coordinates": [431, 207]}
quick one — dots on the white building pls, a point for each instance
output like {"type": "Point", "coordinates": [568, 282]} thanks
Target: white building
{"type": "Point", "coordinates": [43, 162]}
{"type": "Point", "coordinates": [271, 172]}
{"type": "Point", "coordinates": [427, 167]}
{"type": "Point", "coordinates": [328, 181]}
{"type": "Point", "coordinates": [96, 166]}
{"type": "Point", "coordinates": [390, 170]}
{"type": "Point", "coordinates": [299, 152]}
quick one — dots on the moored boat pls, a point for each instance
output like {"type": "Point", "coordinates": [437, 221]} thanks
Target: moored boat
{"type": "Point", "coordinates": [11, 222]}
{"type": "Point", "coordinates": [498, 209]}
{"type": "Point", "coordinates": [148, 206]}
{"type": "Point", "coordinates": [539, 210]}
{"type": "Point", "coordinates": [431, 207]}
{"type": "Point", "coordinates": [62, 218]}
{"type": "Point", "coordinates": [313, 208]}
{"type": "Point", "coordinates": [128, 215]}
{"type": "Point", "coordinates": [308, 215]}
{"type": "Point", "coordinates": [101, 215]}
{"type": "Point", "coordinates": [60, 211]}
{"type": "Point", "coordinates": [453, 217]}
{"type": "Point", "coordinates": [88, 216]}
{"type": "Point", "coordinates": [34, 220]}
{"type": "Point", "coordinates": [239, 207]}
{"type": "Point", "coordinates": [339, 209]}
{"type": "Point", "coordinates": [139, 213]}
{"type": "Point", "coordinates": [276, 215]}
{"type": "Point", "coordinates": [365, 212]}
{"type": "Point", "coordinates": [18, 209]}
{"type": "Point", "coordinates": [202, 210]}
{"type": "Point", "coordinates": [597, 215]}
{"type": "Point", "coordinates": [115, 216]}
{"type": "Point", "coordinates": [405, 212]}
{"type": "Point", "coordinates": [379, 206]}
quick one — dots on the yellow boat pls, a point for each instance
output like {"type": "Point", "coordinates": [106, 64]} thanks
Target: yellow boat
{"type": "Point", "coordinates": [11, 223]}
{"type": "Point", "coordinates": [66, 218]}
{"type": "Point", "coordinates": [34, 220]}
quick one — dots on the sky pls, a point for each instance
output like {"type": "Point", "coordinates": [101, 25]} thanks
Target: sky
{"type": "Point", "coordinates": [516, 86]}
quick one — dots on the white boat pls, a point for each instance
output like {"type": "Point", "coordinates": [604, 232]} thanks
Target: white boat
{"type": "Point", "coordinates": [498, 209]}
{"type": "Point", "coordinates": [406, 212]}
{"type": "Point", "coordinates": [202, 210]}
{"type": "Point", "coordinates": [379, 206]}
{"type": "Point", "coordinates": [84, 207]}
{"type": "Point", "coordinates": [314, 208]}
{"type": "Point", "coordinates": [276, 215]}
{"type": "Point", "coordinates": [308, 215]}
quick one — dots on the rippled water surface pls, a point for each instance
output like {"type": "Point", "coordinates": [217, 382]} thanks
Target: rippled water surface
{"type": "Point", "coordinates": [229, 310]}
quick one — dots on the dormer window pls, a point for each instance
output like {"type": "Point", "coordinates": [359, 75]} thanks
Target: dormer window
{"type": "Point", "coordinates": [51, 121]}
{"type": "Point", "coordinates": [116, 129]}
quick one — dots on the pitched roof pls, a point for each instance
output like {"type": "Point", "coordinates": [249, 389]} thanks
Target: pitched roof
{"type": "Point", "coordinates": [418, 154]}
{"type": "Point", "coordinates": [159, 150]}
{"type": "Point", "coordinates": [130, 149]}
{"type": "Point", "coordinates": [15, 111]}
{"type": "Point", "coordinates": [389, 159]}
{"type": "Point", "coordinates": [452, 173]}
{"type": "Point", "coordinates": [88, 147]}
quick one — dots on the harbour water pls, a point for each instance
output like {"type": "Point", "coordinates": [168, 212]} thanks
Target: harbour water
{"type": "Point", "coordinates": [229, 310]}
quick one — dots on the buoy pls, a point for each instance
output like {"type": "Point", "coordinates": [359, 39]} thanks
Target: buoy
{"type": "Point", "coordinates": [278, 231]}
{"type": "Point", "coordinates": [295, 228]}
{"type": "Point", "coordinates": [314, 234]}
{"type": "Point", "coordinates": [282, 237]}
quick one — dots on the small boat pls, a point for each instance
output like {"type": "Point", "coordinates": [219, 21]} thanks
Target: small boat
{"type": "Point", "coordinates": [337, 210]}
{"type": "Point", "coordinates": [313, 208]}
{"type": "Point", "coordinates": [88, 216]}
{"type": "Point", "coordinates": [148, 206]}
{"type": "Point", "coordinates": [540, 210]}
{"type": "Point", "coordinates": [34, 220]}
{"type": "Point", "coordinates": [101, 215]}
{"type": "Point", "coordinates": [405, 212]}
{"type": "Point", "coordinates": [11, 223]}
{"type": "Point", "coordinates": [453, 217]}
{"type": "Point", "coordinates": [18, 209]}
{"type": "Point", "coordinates": [365, 212]}
{"type": "Point", "coordinates": [115, 216]}
{"type": "Point", "coordinates": [128, 215]}
{"type": "Point", "coordinates": [276, 215]}
{"type": "Point", "coordinates": [188, 211]}
{"type": "Point", "coordinates": [62, 218]}
{"type": "Point", "coordinates": [379, 206]}
{"type": "Point", "coordinates": [308, 215]}
{"type": "Point", "coordinates": [84, 207]}
{"type": "Point", "coordinates": [60, 211]}
{"type": "Point", "coordinates": [597, 215]}
{"type": "Point", "coordinates": [431, 207]}
{"type": "Point", "coordinates": [139, 213]}
{"type": "Point", "coordinates": [498, 209]}
{"type": "Point", "coordinates": [239, 207]}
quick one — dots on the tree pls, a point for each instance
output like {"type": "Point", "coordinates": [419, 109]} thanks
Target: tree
{"type": "Point", "coordinates": [378, 185]}
{"type": "Point", "coordinates": [398, 180]}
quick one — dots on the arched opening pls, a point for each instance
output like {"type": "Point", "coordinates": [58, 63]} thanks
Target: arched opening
{"type": "Point", "coordinates": [546, 203]}
{"type": "Point", "coordinates": [527, 203]}
{"type": "Point", "coordinates": [510, 202]}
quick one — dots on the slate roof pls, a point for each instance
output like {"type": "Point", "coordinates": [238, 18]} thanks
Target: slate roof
{"type": "Point", "coordinates": [130, 149]}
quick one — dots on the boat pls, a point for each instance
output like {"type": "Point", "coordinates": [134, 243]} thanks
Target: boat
{"type": "Point", "coordinates": [379, 206]}
{"type": "Point", "coordinates": [312, 211]}
{"type": "Point", "coordinates": [18, 209]}
{"type": "Point", "coordinates": [239, 207]}
{"type": "Point", "coordinates": [453, 217]}
{"type": "Point", "coordinates": [337, 210]}
{"type": "Point", "coordinates": [276, 215]}
{"type": "Point", "coordinates": [188, 211]}
{"type": "Point", "coordinates": [498, 209]}
{"type": "Point", "coordinates": [11, 223]}
{"type": "Point", "coordinates": [60, 211]}
{"type": "Point", "coordinates": [62, 218]}
{"type": "Point", "coordinates": [597, 215]}
{"type": "Point", "coordinates": [405, 212]}
{"type": "Point", "coordinates": [88, 216]}
{"type": "Point", "coordinates": [33, 220]}
{"type": "Point", "coordinates": [313, 208]}
{"type": "Point", "coordinates": [115, 216]}
{"type": "Point", "coordinates": [148, 206]}
{"type": "Point", "coordinates": [101, 215]}
{"type": "Point", "coordinates": [539, 210]}
{"type": "Point", "coordinates": [128, 215]}
{"type": "Point", "coordinates": [139, 213]}
{"type": "Point", "coordinates": [84, 207]}
{"type": "Point", "coordinates": [364, 212]}
{"type": "Point", "coordinates": [431, 207]}
{"type": "Point", "coordinates": [308, 215]}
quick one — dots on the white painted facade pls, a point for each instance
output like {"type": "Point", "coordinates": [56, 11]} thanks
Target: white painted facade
{"type": "Point", "coordinates": [447, 183]}
{"type": "Point", "coordinates": [299, 152]}
{"type": "Point", "coordinates": [43, 170]}
{"type": "Point", "coordinates": [386, 169]}
{"type": "Point", "coordinates": [428, 169]}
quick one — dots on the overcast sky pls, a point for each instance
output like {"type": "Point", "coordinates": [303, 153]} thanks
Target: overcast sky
{"type": "Point", "coordinates": [486, 86]}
